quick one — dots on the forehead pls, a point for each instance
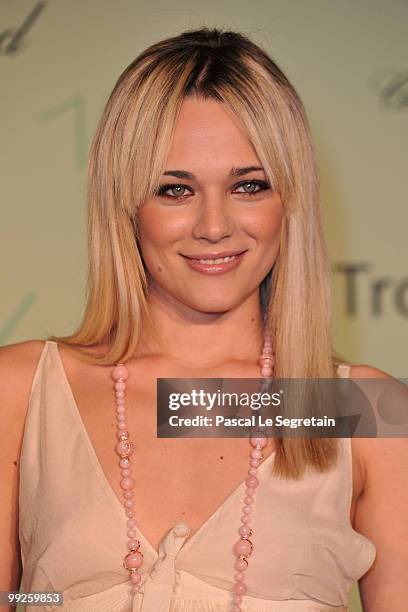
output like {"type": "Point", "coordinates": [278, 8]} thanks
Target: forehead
{"type": "Point", "coordinates": [208, 134]}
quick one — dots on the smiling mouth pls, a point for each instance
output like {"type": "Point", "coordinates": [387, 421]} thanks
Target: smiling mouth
{"type": "Point", "coordinates": [215, 264]}
{"type": "Point", "coordinates": [219, 260]}
{"type": "Point", "coordinates": [215, 260]}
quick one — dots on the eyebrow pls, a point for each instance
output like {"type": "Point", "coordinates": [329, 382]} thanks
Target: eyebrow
{"type": "Point", "coordinates": [183, 174]}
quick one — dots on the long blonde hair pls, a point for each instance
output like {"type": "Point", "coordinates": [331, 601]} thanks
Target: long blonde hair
{"type": "Point", "coordinates": [127, 158]}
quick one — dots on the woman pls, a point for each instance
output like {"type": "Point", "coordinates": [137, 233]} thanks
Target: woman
{"type": "Point", "coordinates": [206, 248]}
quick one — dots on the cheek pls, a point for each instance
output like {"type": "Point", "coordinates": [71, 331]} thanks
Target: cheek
{"type": "Point", "coordinates": [158, 232]}
{"type": "Point", "coordinates": [265, 227]}
{"type": "Point", "coordinates": [273, 222]}
{"type": "Point", "coordinates": [152, 231]}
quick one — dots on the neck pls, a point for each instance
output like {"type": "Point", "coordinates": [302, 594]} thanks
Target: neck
{"type": "Point", "coordinates": [190, 337]}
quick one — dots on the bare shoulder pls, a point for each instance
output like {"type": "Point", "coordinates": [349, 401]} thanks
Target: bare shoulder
{"type": "Point", "coordinates": [372, 450]}
{"type": "Point", "coordinates": [20, 352]}
{"type": "Point", "coordinates": [381, 510]}
{"type": "Point", "coordinates": [367, 371]}
{"type": "Point", "coordinates": [18, 363]}
{"type": "Point", "coordinates": [15, 359]}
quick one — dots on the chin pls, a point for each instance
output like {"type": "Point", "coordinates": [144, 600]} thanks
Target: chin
{"type": "Point", "coordinates": [212, 306]}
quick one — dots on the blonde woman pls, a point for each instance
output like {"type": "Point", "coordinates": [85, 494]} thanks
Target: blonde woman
{"type": "Point", "coordinates": [205, 252]}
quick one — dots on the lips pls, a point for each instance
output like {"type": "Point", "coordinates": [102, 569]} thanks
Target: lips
{"type": "Point", "coordinates": [213, 257]}
{"type": "Point", "coordinates": [215, 263]}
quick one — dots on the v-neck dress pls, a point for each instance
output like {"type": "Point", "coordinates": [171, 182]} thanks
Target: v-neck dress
{"type": "Point", "coordinates": [72, 528]}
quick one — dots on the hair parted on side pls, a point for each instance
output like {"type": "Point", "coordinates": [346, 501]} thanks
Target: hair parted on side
{"type": "Point", "coordinates": [127, 158]}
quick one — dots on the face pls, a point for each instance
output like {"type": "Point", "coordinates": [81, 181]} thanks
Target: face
{"type": "Point", "coordinates": [210, 203]}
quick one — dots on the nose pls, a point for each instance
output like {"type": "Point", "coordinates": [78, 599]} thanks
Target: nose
{"type": "Point", "coordinates": [214, 219]}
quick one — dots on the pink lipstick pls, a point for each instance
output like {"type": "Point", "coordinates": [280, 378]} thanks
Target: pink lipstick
{"type": "Point", "coordinates": [215, 263]}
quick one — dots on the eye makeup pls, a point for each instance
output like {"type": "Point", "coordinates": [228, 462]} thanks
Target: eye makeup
{"type": "Point", "coordinates": [262, 186]}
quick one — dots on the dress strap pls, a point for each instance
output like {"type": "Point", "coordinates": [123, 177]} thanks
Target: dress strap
{"type": "Point", "coordinates": [343, 370]}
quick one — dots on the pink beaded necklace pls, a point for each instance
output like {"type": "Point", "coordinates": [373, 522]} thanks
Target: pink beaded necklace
{"type": "Point", "coordinates": [243, 547]}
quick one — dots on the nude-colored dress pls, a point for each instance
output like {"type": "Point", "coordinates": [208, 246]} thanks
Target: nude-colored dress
{"type": "Point", "coordinates": [73, 534]}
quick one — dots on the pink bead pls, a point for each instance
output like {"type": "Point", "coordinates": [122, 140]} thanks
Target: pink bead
{"type": "Point", "coordinates": [120, 371]}
{"type": "Point", "coordinates": [242, 548]}
{"type": "Point", "coordinates": [237, 609]}
{"type": "Point", "coordinates": [260, 441]}
{"type": "Point", "coordinates": [127, 483]}
{"type": "Point", "coordinates": [124, 448]}
{"type": "Point", "coordinates": [133, 544]}
{"type": "Point", "coordinates": [241, 565]}
{"type": "Point", "coordinates": [135, 577]}
{"type": "Point", "coordinates": [267, 350]}
{"type": "Point", "coordinates": [134, 559]}
{"type": "Point", "coordinates": [252, 482]}
{"type": "Point", "coordinates": [244, 530]}
{"type": "Point", "coordinates": [240, 588]}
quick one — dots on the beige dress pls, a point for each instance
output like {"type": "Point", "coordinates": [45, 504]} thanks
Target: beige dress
{"type": "Point", "coordinates": [73, 535]}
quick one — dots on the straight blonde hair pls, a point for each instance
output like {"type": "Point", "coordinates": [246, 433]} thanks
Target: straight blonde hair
{"type": "Point", "coordinates": [127, 158]}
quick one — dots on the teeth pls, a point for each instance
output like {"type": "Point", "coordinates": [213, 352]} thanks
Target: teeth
{"type": "Point", "coordinates": [217, 261]}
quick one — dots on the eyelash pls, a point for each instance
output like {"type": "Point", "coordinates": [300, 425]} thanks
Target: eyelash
{"type": "Point", "coordinates": [264, 185]}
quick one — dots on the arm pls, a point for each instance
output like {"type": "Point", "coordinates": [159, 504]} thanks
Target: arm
{"type": "Point", "coordinates": [381, 515]}
{"type": "Point", "coordinates": [17, 366]}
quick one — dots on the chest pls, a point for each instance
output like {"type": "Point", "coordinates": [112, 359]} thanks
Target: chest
{"type": "Point", "coordinates": [175, 479]}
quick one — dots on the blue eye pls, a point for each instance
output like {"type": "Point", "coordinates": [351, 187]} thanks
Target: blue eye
{"type": "Point", "coordinates": [161, 191]}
